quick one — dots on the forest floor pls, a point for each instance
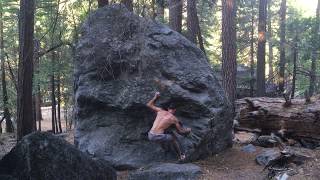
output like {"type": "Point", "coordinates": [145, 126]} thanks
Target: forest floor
{"type": "Point", "coordinates": [228, 165]}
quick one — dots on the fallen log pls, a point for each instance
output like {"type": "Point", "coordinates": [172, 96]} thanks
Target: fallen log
{"type": "Point", "coordinates": [300, 120]}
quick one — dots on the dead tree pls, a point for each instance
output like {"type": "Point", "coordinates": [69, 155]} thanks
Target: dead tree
{"type": "Point", "coordinates": [269, 115]}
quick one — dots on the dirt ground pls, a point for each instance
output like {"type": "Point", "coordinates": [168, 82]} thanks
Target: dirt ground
{"type": "Point", "coordinates": [232, 164]}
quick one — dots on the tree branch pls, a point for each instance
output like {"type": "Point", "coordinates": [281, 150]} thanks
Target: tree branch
{"type": "Point", "coordinates": [52, 49]}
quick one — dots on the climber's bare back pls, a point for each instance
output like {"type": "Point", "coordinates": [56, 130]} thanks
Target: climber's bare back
{"type": "Point", "coordinates": [163, 120]}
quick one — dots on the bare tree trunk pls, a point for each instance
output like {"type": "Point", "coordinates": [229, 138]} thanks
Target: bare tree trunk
{"type": "Point", "coordinates": [153, 9]}
{"type": "Point", "coordinates": [192, 19]}
{"type": "Point", "coordinates": [201, 43]}
{"type": "Point", "coordinates": [193, 25]}
{"type": "Point", "coordinates": [283, 12]}
{"type": "Point", "coordinates": [128, 4]}
{"type": "Point", "coordinates": [102, 3]}
{"type": "Point", "coordinates": [37, 96]}
{"type": "Point", "coordinates": [38, 109]}
{"type": "Point", "coordinates": [34, 112]}
{"type": "Point", "coordinates": [160, 10]}
{"type": "Point", "coordinates": [6, 112]}
{"type": "Point", "coordinates": [252, 80]}
{"type": "Point", "coordinates": [59, 102]}
{"type": "Point", "coordinates": [53, 98]}
{"type": "Point", "coordinates": [314, 53]}
{"type": "Point", "coordinates": [295, 57]}
{"type": "Point", "coordinates": [270, 43]}
{"type": "Point", "coordinates": [229, 63]}
{"type": "Point", "coordinates": [261, 54]}
{"type": "Point", "coordinates": [24, 99]}
{"type": "Point", "coordinates": [175, 15]}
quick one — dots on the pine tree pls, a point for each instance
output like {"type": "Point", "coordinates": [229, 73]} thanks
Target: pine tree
{"type": "Point", "coordinates": [315, 52]}
{"type": "Point", "coordinates": [261, 55]}
{"type": "Point", "coordinates": [282, 64]}
{"type": "Point", "coordinates": [229, 63]}
{"type": "Point", "coordinates": [175, 15]}
{"type": "Point", "coordinates": [25, 124]}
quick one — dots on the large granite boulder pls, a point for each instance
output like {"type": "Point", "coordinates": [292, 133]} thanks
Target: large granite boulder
{"type": "Point", "coordinates": [167, 171]}
{"type": "Point", "coordinates": [44, 156]}
{"type": "Point", "coordinates": [121, 61]}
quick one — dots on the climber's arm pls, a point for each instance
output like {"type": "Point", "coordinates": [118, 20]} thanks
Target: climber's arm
{"type": "Point", "coordinates": [151, 105]}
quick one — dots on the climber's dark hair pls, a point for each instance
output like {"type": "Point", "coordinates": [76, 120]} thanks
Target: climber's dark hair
{"type": "Point", "coordinates": [171, 106]}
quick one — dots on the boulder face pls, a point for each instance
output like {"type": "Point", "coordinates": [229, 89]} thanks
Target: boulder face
{"type": "Point", "coordinates": [121, 61]}
{"type": "Point", "coordinates": [44, 156]}
{"type": "Point", "coordinates": [167, 171]}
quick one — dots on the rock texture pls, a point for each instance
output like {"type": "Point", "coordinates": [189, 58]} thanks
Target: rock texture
{"type": "Point", "coordinates": [121, 61]}
{"type": "Point", "coordinates": [44, 156]}
{"type": "Point", "coordinates": [266, 156]}
{"type": "Point", "coordinates": [167, 171]}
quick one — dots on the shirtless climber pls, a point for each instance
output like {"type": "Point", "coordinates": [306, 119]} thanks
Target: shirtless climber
{"type": "Point", "coordinates": [163, 121]}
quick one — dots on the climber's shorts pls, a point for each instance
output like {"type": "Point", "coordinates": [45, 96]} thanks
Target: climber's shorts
{"type": "Point", "coordinates": [159, 137]}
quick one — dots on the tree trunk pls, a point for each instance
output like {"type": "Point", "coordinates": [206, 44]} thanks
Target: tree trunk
{"type": "Point", "coordinates": [6, 112]}
{"type": "Point", "coordinates": [282, 64]}
{"type": "Point", "coordinates": [38, 108]}
{"type": "Point", "coordinates": [229, 63]}
{"type": "Point", "coordinates": [193, 25]}
{"type": "Point", "coordinates": [201, 44]}
{"type": "Point", "coordinates": [314, 53]}
{"type": "Point", "coordinates": [59, 102]}
{"type": "Point", "coordinates": [37, 96]}
{"type": "Point", "coordinates": [153, 9]}
{"type": "Point", "coordinates": [270, 115]}
{"type": "Point", "coordinates": [102, 3]}
{"type": "Point", "coordinates": [34, 112]}
{"type": "Point", "coordinates": [261, 54]}
{"type": "Point", "coordinates": [128, 4]}
{"type": "Point", "coordinates": [175, 15]}
{"type": "Point", "coordinates": [270, 43]}
{"type": "Point", "coordinates": [160, 10]}
{"type": "Point", "coordinates": [295, 57]}
{"type": "Point", "coordinates": [53, 98]}
{"type": "Point", "coordinates": [192, 21]}
{"type": "Point", "coordinates": [24, 99]}
{"type": "Point", "coordinates": [252, 80]}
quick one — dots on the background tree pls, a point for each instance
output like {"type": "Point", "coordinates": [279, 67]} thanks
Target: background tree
{"type": "Point", "coordinates": [193, 27]}
{"type": "Point", "coordinates": [229, 63]}
{"type": "Point", "coordinates": [175, 15]}
{"type": "Point", "coordinates": [282, 64]}
{"type": "Point", "coordinates": [128, 4]}
{"type": "Point", "coordinates": [6, 112]}
{"type": "Point", "coordinates": [261, 55]}
{"type": "Point", "coordinates": [102, 3]}
{"type": "Point", "coordinates": [315, 52]}
{"type": "Point", "coordinates": [25, 124]}
{"type": "Point", "coordinates": [160, 5]}
{"type": "Point", "coordinates": [270, 42]}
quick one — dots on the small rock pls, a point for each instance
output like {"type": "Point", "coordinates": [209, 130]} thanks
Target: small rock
{"type": "Point", "coordinates": [267, 141]}
{"type": "Point", "coordinates": [266, 156]}
{"type": "Point", "coordinates": [283, 176]}
{"type": "Point", "coordinates": [167, 171]}
{"type": "Point", "coordinates": [249, 148]}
